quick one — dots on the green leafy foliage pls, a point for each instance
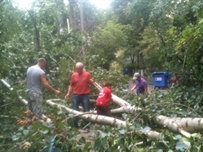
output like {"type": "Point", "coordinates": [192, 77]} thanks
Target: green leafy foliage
{"type": "Point", "coordinates": [150, 34]}
{"type": "Point", "coordinates": [106, 42]}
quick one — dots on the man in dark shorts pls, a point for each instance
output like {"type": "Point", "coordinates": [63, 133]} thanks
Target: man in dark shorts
{"type": "Point", "coordinates": [103, 99]}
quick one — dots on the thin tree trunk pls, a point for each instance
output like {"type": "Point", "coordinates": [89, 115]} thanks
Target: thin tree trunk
{"type": "Point", "coordinates": [37, 35]}
{"type": "Point", "coordinates": [72, 5]}
{"type": "Point", "coordinates": [57, 19]}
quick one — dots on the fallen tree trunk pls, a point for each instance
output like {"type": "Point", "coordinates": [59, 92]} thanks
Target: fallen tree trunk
{"type": "Point", "coordinates": [125, 109]}
{"type": "Point", "coordinates": [93, 117]}
{"type": "Point", "coordinates": [179, 124]}
{"type": "Point", "coordinates": [90, 117]}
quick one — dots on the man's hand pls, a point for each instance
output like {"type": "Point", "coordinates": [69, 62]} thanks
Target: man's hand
{"type": "Point", "coordinates": [66, 96]}
{"type": "Point", "coordinates": [57, 92]}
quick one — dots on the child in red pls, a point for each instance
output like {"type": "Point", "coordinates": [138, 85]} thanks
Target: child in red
{"type": "Point", "coordinates": [102, 101]}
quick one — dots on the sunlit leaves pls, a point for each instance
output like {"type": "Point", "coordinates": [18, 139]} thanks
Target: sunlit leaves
{"type": "Point", "coordinates": [106, 41]}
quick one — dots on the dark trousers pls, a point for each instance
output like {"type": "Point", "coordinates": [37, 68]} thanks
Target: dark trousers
{"type": "Point", "coordinates": [103, 110]}
{"type": "Point", "coordinates": [84, 100]}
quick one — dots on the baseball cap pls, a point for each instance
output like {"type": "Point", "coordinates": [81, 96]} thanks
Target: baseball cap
{"type": "Point", "coordinates": [136, 75]}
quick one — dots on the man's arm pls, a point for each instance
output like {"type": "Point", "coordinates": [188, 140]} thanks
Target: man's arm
{"type": "Point", "coordinates": [70, 88]}
{"type": "Point", "coordinates": [47, 86]}
{"type": "Point", "coordinates": [146, 88]}
{"type": "Point", "coordinates": [133, 87]}
{"type": "Point", "coordinates": [91, 81]}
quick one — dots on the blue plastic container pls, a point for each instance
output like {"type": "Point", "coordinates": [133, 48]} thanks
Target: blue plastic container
{"type": "Point", "coordinates": [125, 71]}
{"type": "Point", "coordinates": [160, 79]}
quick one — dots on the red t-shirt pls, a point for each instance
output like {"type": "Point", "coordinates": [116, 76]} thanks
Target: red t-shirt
{"type": "Point", "coordinates": [104, 97]}
{"type": "Point", "coordinates": [80, 82]}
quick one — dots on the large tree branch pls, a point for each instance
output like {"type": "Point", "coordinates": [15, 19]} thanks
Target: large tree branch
{"type": "Point", "coordinates": [90, 117]}
{"type": "Point", "coordinates": [175, 124]}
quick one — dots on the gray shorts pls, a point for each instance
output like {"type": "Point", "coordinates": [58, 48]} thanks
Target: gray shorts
{"type": "Point", "coordinates": [35, 101]}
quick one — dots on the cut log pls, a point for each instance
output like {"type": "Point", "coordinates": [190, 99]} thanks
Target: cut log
{"type": "Point", "coordinates": [186, 124]}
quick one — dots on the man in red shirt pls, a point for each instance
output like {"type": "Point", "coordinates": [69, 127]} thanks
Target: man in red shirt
{"type": "Point", "coordinates": [103, 99]}
{"type": "Point", "coordinates": [80, 87]}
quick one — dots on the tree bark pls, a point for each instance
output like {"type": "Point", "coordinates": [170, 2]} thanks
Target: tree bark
{"type": "Point", "coordinates": [175, 124]}
{"type": "Point", "coordinates": [90, 117]}
{"type": "Point", "coordinates": [125, 109]}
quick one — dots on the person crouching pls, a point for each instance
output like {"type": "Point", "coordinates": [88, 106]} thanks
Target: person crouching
{"type": "Point", "coordinates": [103, 99]}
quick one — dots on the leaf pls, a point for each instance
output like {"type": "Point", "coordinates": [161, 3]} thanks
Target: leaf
{"type": "Point", "coordinates": [178, 137]}
{"type": "Point", "coordinates": [50, 139]}
{"type": "Point", "coordinates": [103, 134]}
{"type": "Point", "coordinates": [146, 129]}
{"type": "Point", "coordinates": [61, 125]}
{"type": "Point", "coordinates": [44, 131]}
{"type": "Point", "coordinates": [36, 125]}
{"type": "Point", "coordinates": [60, 112]}
{"type": "Point", "coordinates": [123, 131]}
{"type": "Point", "coordinates": [15, 137]}
{"type": "Point", "coordinates": [182, 145]}
{"type": "Point", "coordinates": [201, 21]}
{"type": "Point", "coordinates": [82, 140]}
{"type": "Point", "coordinates": [57, 150]}
{"type": "Point", "coordinates": [160, 150]}
{"type": "Point", "coordinates": [25, 132]}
